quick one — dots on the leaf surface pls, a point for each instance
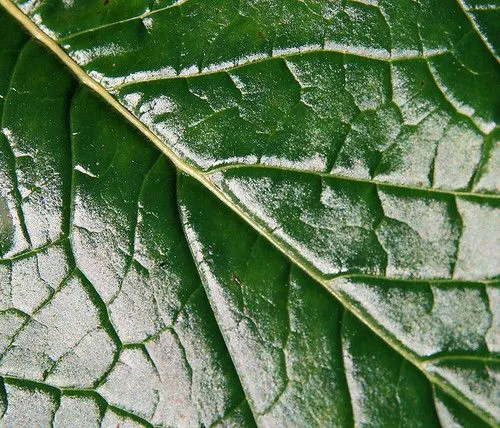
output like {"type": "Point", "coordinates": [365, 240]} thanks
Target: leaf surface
{"type": "Point", "coordinates": [319, 246]}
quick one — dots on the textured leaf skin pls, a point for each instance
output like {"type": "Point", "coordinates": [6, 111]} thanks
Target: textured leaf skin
{"type": "Point", "coordinates": [323, 250]}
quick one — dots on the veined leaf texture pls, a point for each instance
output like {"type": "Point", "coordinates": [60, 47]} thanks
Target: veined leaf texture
{"type": "Point", "coordinates": [249, 212]}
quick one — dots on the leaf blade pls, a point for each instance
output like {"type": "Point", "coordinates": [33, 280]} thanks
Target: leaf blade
{"type": "Point", "coordinates": [292, 74]}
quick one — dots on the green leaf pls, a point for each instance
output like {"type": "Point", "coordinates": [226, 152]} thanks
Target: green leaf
{"type": "Point", "coordinates": [257, 212]}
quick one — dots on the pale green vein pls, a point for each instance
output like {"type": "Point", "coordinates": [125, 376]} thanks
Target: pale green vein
{"type": "Point", "coordinates": [473, 23]}
{"type": "Point", "coordinates": [323, 174]}
{"type": "Point", "coordinates": [289, 53]}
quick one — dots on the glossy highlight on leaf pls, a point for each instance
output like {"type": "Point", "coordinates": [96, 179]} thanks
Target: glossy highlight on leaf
{"type": "Point", "coordinates": [249, 213]}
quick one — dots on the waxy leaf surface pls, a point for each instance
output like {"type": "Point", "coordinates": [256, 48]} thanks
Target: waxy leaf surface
{"type": "Point", "coordinates": [255, 212]}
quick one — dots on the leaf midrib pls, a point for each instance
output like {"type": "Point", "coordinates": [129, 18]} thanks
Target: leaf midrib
{"type": "Point", "coordinates": [183, 166]}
